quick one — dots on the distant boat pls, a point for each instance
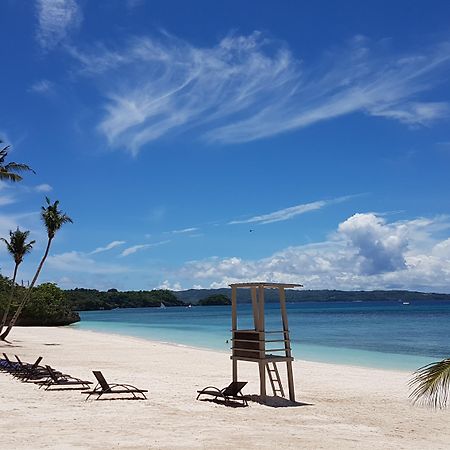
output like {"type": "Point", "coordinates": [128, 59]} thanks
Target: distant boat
{"type": "Point", "coordinates": [405, 303]}
{"type": "Point", "coordinates": [162, 305]}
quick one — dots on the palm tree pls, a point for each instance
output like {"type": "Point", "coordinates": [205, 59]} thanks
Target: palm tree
{"type": "Point", "coordinates": [17, 248]}
{"type": "Point", "coordinates": [431, 384]}
{"type": "Point", "coordinates": [53, 220]}
{"type": "Point", "coordinates": [9, 171]}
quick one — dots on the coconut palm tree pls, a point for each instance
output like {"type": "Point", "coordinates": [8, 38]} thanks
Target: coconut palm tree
{"type": "Point", "coordinates": [17, 247]}
{"type": "Point", "coordinates": [53, 220]}
{"type": "Point", "coordinates": [431, 384]}
{"type": "Point", "coordinates": [9, 171]}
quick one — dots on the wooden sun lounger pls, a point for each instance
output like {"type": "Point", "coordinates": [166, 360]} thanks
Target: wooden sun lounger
{"type": "Point", "coordinates": [104, 388]}
{"type": "Point", "coordinates": [229, 394]}
{"type": "Point", "coordinates": [62, 380]}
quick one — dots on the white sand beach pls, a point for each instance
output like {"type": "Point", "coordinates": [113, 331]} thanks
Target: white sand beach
{"type": "Point", "coordinates": [345, 407]}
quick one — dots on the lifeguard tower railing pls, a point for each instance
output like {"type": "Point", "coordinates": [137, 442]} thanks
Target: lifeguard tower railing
{"type": "Point", "coordinates": [265, 347]}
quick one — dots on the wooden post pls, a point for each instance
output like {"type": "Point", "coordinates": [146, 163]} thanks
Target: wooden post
{"type": "Point", "coordinates": [262, 380]}
{"type": "Point", "coordinates": [287, 343]}
{"type": "Point", "coordinates": [262, 345]}
{"type": "Point", "coordinates": [233, 329]}
{"type": "Point", "coordinates": [255, 308]}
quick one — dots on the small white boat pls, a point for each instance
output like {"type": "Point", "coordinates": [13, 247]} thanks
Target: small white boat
{"type": "Point", "coordinates": [405, 303]}
{"type": "Point", "coordinates": [162, 305]}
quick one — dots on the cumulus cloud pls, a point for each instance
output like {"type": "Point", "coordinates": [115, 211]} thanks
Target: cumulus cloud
{"type": "Point", "coordinates": [289, 213]}
{"type": "Point", "coordinates": [56, 19]}
{"type": "Point", "coordinates": [107, 247]}
{"type": "Point", "coordinates": [251, 87]}
{"type": "Point", "coordinates": [171, 287]}
{"type": "Point", "coordinates": [365, 252]}
{"type": "Point", "coordinates": [381, 247]}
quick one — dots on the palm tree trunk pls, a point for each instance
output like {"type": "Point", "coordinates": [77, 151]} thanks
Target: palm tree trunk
{"type": "Point", "coordinates": [27, 295]}
{"type": "Point", "coordinates": [11, 295]}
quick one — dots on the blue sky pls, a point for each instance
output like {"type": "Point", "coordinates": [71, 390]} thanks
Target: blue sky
{"type": "Point", "coordinates": [199, 143]}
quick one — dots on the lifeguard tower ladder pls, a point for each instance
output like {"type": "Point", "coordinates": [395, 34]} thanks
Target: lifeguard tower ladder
{"type": "Point", "coordinates": [250, 345]}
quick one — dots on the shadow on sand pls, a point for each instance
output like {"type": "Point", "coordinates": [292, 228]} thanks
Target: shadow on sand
{"type": "Point", "coordinates": [277, 402]}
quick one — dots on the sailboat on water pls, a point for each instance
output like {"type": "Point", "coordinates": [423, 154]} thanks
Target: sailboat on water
{"type": "Point", "coordinates": [162, 305]}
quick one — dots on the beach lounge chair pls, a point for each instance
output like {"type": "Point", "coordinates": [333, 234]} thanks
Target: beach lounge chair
{"type": "Point", "coordinates": [27, 371]}
{"type": "Point", "coordinates": [231, 393]}
{"type": "Point", "coordinates": [104, 388]}
{"type": "Point", "coordinates": [6, 365]}
{"type": "Point", "coordinates": [62, 380]}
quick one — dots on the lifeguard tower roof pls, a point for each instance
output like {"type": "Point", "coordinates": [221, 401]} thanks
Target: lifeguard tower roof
{"type": "Point", "coordinates": [265, 284]}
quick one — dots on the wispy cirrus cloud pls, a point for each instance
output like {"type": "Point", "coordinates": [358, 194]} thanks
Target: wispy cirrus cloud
{"type": "Point", "coordinates": [251, 87]}
{"type": "Point", "coordinates": [289, 213]}
{"type": "Point", "coordinates": [107, 247]}
{"type": "Point", "coordinates": [56, 18]}
{"type": "Point", "coordinates": [74, 261]}
{"type": "Point", "coordinates": [184, 230]}
{"type": "Point", "coordinates": [44, 187]}
{"type": "Point", "coordinates": [133, 249]}
{"type": "Point", "coordinates": [41, 87]}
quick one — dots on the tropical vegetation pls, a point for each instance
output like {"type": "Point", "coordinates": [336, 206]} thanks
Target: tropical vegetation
{"type": "Point", "coordinates": [53, 220]}
{"type": "Point", "coordinates": [431, 384]}
{"type": "Point", "coordinates": [17, 247]}
{"type": "Point", "coordinates": [11, 171]}
{"type": "Point", "coordinates": [92, 299]}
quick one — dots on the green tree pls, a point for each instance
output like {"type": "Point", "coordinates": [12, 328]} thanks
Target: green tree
{"type": "Point", "coordinates": [17, 247]}
{"type": "Point", "coordinates": [431, 384]}
{"type": "Point", "coordinates": [11, 170]}
{"type": "Point", "coordinates": [53, 220]}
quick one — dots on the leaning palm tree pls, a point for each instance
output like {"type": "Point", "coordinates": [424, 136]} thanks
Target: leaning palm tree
{"type": "Point", "coordinates": [53, 219]}
{"type": "Point", "coordinates": [431, 384]}
{"type": "Point", "coordinates": [17, 247]}
{"type": "Point", "coordinates": [9, 171]}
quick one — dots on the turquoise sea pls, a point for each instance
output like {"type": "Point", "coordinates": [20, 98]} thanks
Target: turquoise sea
{"type": "Point", "coordinates": [389, 335]}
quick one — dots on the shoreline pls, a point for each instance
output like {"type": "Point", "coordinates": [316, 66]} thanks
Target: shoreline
{"type": "Point", "coordinates": [364, 364]}
{"type": "Point", "coordinates": [226, 352]}
{"type": "Point", "coordinates": [343, 406]}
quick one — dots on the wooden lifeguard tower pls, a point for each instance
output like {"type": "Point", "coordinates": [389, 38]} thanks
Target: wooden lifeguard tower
{"type": "Point", "coordinates": [255, 344]}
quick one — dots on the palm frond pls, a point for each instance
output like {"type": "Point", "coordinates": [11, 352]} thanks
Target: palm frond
{"type": "Point", "coordinates": [4, 175]}
{"type": "Point", "coordinates": [18, 167]}
{"type": "Point", "coordinates": [17, 245]}
{"type": "Point", "coordinates": [431, 384]}
{"type": "Point", "coordinates": [53, 218]}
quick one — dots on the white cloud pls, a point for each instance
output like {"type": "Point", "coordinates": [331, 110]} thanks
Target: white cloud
{"type": "Point", "coordinates": [289, 213]}
{"type": "Point", "coordinates": [80, 262]}
{"type": "Point", "coordinates": [171, 287]}
{"type": "Point", "coordinates": [365, 252]}
{"type": "Point", "coordinates": [130, 250]}
{"type": "Point", "coordinates": [250, 87]}
{"type": "Point", "coordinates": [184, 230]}
{"type": "Point", "coordinates": [7, 200]}
{"type": "Point", "coordinates": [43, 188]}
{"type": "Point", "coordinates": [381, 247]}
{"type": "Point", "coordinates": [107, 247]}
{"type": "Point", "coordinates": [41, 87]}
{"type": "Point", "coordinates": [56, 19]}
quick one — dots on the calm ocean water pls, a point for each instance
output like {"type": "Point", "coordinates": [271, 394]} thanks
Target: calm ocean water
{"type": "Point", "coordinates": [374, 334]}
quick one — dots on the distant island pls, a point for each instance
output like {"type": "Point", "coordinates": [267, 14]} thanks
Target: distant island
{"type": "Point", "coordinates": [91, 299]}
{"type": "Point", "coordinates": [52, 306]}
